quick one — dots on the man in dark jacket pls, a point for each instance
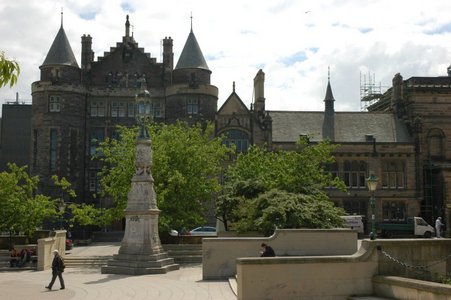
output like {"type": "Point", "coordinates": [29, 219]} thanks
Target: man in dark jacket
{"type": "Point", "coordinates": [267, 251]}
{"type": "Point", "coordinates": [57, 270]}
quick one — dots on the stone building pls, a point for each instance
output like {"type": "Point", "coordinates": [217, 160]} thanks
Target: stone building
{"type": "Point", "coordinates": [401, 139]}
{"type": "Point", "coordinates": [77, 107]}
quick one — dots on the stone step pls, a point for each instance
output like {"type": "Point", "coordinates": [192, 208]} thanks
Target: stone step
{"type": "Point", "coordinates": [168, 247]}
{"type": "Point", "coordinates": [181, 253]}
{"type": "Point", "coordinates": [184, 253]}
{"type": "Point", "coordinates": [86, 262]}
{"type": "Point", "coordinates": [139, 271]}
{"type": "Point", "coordinates": [368, 298]}
{"type": "Point", "coordinates": [183, 260]}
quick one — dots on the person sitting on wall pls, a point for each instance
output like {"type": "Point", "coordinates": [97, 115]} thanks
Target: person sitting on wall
{"type": "Point", "coordinates": [25, 257]}
{"type": "Point", "coordinates": [14, 260]}
{"type": "Point", "coordinates": [267, 251]}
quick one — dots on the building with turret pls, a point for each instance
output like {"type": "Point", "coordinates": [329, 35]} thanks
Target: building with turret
{"type": "Point", "coordinates": [402, 137]}
{"type": "Point", "coordinates": [74, 108]}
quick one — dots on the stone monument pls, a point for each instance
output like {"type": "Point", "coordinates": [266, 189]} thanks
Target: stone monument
{"type": "Point", "coordinates": [141, 251]}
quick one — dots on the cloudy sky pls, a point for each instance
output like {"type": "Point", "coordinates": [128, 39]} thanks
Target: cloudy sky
{"type": "Point", "coordinates": [293, 41]}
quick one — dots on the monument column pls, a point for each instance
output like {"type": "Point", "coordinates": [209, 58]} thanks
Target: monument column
{"type": "Point", "coordinates": [141, 251]}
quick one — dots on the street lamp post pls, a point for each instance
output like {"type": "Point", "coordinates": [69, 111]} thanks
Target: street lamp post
{"type": "Point", "coordinates": [372, 186]}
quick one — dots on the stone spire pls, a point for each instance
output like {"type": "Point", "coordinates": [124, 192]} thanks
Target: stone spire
{"type": "Point", "coordinates": [329, 113]}
{"type": "Point", "coordinates": [329, 98]}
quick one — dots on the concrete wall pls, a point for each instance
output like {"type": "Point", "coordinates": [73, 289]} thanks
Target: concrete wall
{"type": "Point", "coordinates": [304, 277]}
{"type": "Point", "coordinates": [46, 247]}
{"type": "Point", "coordinates": [219, 254]}
{"type": "Point", "coordinates": [405, 288]}
{"type": "Point", "coordinates": [338, 277]}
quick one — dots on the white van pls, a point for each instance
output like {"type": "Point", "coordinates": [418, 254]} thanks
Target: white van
{"type": "Point", "coordinates": [354, 222]}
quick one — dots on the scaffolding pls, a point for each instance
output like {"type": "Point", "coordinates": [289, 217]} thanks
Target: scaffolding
{"type": "Point", "coordinates": [370, 92]}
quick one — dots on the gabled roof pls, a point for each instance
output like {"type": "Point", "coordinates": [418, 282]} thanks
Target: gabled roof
{"type": "Point", "coordinates": [191, 56]}
{"type": "Point", "coordinates": [60, 52]}
{"type": "Point", "coordinates": [233, 104]}
{"type": "Point", "coordinates": [287, 126]}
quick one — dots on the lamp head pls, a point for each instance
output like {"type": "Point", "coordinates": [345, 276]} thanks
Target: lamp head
{"type": "Point", "coordinates": [372, 183]}
{"type": "Point", "coordinates": [143, 111]}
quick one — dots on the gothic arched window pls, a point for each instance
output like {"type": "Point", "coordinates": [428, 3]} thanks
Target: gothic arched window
{"type": "Point", "coordinates": [238, 138]}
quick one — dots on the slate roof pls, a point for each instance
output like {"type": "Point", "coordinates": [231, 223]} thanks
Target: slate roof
{"type": "Point", "coordinates": [60, 52]}
{"type": "Point", "coordinates": [287, 126]}
{"type": "Point", "coordinates": [191, 56]}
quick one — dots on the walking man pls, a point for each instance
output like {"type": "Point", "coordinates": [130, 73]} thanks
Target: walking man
{"type": "Point", "coordinates": [57, 270]}
{"type": "Point", "coordinates": [438, 226]}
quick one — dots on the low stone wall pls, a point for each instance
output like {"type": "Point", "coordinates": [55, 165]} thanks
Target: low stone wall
{"type": "Point", "coordinates": [405, 288]}
{"type": "Point", "coordinates": [46, 247]}
{"type": "Point", "coordinates": [338, 277]}
{"type": "Point", "coordinates": [313, 278]}
{"type": "Point", "coordinates": [219, 254]}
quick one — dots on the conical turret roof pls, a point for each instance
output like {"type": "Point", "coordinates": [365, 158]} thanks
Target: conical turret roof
{"type": "Point", "coordinates": [60, 52]}
{"type": "Point", "coordinates": [191, 56]}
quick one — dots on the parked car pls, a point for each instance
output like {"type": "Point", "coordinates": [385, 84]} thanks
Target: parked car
{"type": "Point", "coordinates": [173, 232]}
{"type": "Point", "coordinates": [204, 231]}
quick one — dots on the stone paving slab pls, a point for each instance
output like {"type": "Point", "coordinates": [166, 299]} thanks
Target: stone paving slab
{"type": "Point", "coordinates": [90, 284]}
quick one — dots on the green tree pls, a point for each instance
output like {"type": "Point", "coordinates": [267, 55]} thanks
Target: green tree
{"type": "Point", "coordinates": [296, 172]}
{"type": "Point", "coordinates": [9, 71]}
{"type": "Point", "coordinates": [186, 167]}
{"type": "Point", "coordinates": [234, 198]}
{"type": "Point", "coordinates": [283, 209]}
{"type": "Point", "coordinates": [23, 210]}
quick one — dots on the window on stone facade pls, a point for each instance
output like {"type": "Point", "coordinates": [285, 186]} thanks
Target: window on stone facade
{"type": "Point", "coordinates": [355, 174]}
{"type": "Point", "coordinates": [394, 210]}
{"type": "Point", "coordinates": [131, 109]}
{"type": "Point", "coordinates": [97, 108]}
{"type": "Point", "coordinates": [193, 106]}
{"type": "Point", "coordinates": [356, 206]}
{"type": "Point", "coordinates": [35, 147]}
{"type": "Point", "coordinates": [332, 169]}
{"type": "Point", "coordinates": [54, 104]}
{"type": "Point", "coordinates": [94, 181]}
{"type": "Point", "coordinates": [156, 110]}
{"type": "Point", "coordinates": [73, 149]}
{"type": "Point", "coordinates": [435, 139]}
{"type": "Point", "coordinates": [238, 138]}
{"type": "Point", "coordinates": [393, 174]}
{"type": "Point", "coordinates": [53, 149]}
{"type": "Point", "coordinates": [97, 136]}
{"type": "Point", "coordinates": [118, 109]}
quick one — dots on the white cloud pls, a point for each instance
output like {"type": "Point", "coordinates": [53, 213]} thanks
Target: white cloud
{"type": "Point", "coordinates": [238, 37]}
